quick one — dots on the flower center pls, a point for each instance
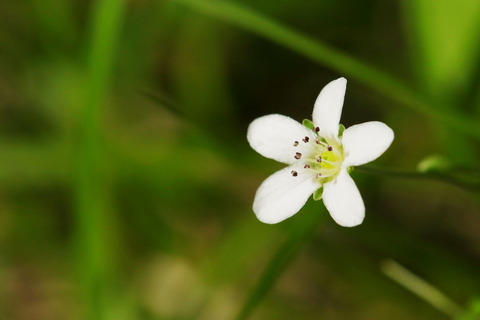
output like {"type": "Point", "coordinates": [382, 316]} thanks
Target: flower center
{"type": "Point", "coordinates": [323, 160]}
{"type": "Point", "coordinates": [329, 159]}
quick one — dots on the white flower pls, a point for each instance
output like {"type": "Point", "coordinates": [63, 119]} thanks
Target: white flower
{"type": "Point", "coordinates": [318, 157]}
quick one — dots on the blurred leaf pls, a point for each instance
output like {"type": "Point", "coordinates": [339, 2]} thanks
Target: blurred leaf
{"type": "Point", "coordinates": [95, 237]}
{"type": "Point", "coordinates": [421, 288]}
{"type": "Point", "coordinates": [445, 48]}
{"type": "Point", "coordinates": [468, 179]}
{"type": "Point", "coordinates": [30, 164]}
{"type": "Point", "coordinates": [199, 71]}
{"type": "Point", "coordinates": [239, 250]}
{"type": "Point", "coordinates": [446, 42]}
{"type": "Point", "coordinates": [323, 54]}
{"type": "Point", "coordinates": [301, 229]}
{"type": "Point", "coordinates": [434, 163]}
{"type": "Point", "coordinates": [54, 24]}
{"type": "Point", "coordinates": [472, 312]}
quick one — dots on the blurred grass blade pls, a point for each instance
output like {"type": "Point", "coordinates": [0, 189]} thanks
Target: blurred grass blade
{"type": "Point", "coordinates": [198, 51]}
{"type": "Point", "coordinates": [92, 221]}
{"type": "Point", "coordinates": [302, 229]}
{"type": "Point", "coordinates": [473, 311]}
{"type": "Point", "coordinates": [323, 54]}
{"type": "Point", "coordinates": [445, 48]}
{"type": "Point", "coordinates": [445, 53]}
{"type": "Point", "coordinates": [470, 180]}
{"type": "Point", "coordinates": [421, 288]}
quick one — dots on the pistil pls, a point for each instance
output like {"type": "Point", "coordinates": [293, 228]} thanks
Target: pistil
{"type": "Point", "coordinates": [323, 160]}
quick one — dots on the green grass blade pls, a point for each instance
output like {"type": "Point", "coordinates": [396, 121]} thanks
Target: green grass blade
{"type": "Point", "coordinates": [92, 220]}
{"type": "Point", "coordinates": [444, 46]}
{"type": "Point", "coordinates": [468, 181]}
{"type": "Point", "coordinates": [445, 42]}
{"type": "Point", "coordinates": [323, 54]}
{"type": "Point", "coordinates": [421, 288]}
{"type": "Point", "coordinates": [302, 229]}
{"type": "Point", "coordinates": [473, 311]}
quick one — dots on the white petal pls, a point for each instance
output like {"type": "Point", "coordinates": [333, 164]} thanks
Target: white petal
{"type": "Point", "coordinates": [281, 195]}
{"type": "Point", "coordinates": [365, 142]}
{"type": "Point", "coordinates": [328, 107]}
{"type": "Point", "coordinates": [343, 200]}
{"type": "Point", "coordinates": [273, 137]}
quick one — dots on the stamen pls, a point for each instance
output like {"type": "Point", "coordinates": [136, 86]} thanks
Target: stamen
{"type": "Point", "coordinates": [306, 139]}
{"type": "Point", "coordinates": [298, 155]}
{"type": "Point", "coordinates": [318, 158]}
{"type": "Point", "coordinates": [307, 166]}
{"type": "Point", "coordinates": [318, 175]}
{"type": "Point", "coordinates": [320, 142]}
{"type": "Point", "coordinates": [294, 173]}
{"type": "Point", "coordinates": [317, 129]}
{"type": "Point", "coordinates": [295, 143]}
{"type": "Point", "coordinates": [330, 148]}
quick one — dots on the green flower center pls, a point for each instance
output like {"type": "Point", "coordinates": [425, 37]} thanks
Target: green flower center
{"type": "Point", "coordinates": [324, 159]}
{"type": "Point", "coordinates": [329, 159]}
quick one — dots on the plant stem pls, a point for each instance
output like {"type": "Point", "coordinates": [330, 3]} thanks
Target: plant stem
{"type": "Point", "coordinates": [399, 173]}
{"type": "Point", "coordinates": [301, 231]}
{"type": "Point", "coordinates": [421, 288]}
{"type": "Point", "coordinates": [92, 221]}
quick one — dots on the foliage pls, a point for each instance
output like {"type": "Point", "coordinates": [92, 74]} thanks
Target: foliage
{"type": "Point", "coordinates": [126, 180]}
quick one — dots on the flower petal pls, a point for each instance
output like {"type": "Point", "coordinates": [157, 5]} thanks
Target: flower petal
{"type": "Point", "coordinates": [328, 107]}
{"type": "Point", "coordinates": [365, 142]}
{"type": "Point", "coordinates": [282, 195]}
{"type": "Point", "coordinates": [343, 200]}
{"type": "Point", "coordinates": [273, 136]}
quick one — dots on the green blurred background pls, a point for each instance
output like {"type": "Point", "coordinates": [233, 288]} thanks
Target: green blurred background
{"type": "Point", "coordinates": [126, 181]}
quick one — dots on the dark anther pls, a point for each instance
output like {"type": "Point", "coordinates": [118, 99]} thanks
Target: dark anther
{"type": "Point", "coordinates": [319, 159]}
{"type": "Point", "coordinates": [330, 148]}
{"type": "Point", "coordinates": [307, 166]}
{"type": "Point", "coordinates": [317, 129]}
{"type": "Point", "coordinates": [294, 173]}
{"type": "Point", "coordinates": [298, 155]}
{"type": "Point", "coordinates": [317, 141]}
{"type": "Point", "coordinates": [295, 143]}
{"type": "Point", "coordinates": [306, 139]}
{"type": "Point", "coordinates": [319, 175]}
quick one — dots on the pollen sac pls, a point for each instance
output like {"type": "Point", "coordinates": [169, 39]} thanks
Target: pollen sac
{"type": "Point", "coordinates": [316, 129]}
{"type": "Point", "coordinates": [294, 173]}
{"type": "Point", "coordinates": [323, 159]}
{"type": "Point", "coordinates": [295, 143]}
